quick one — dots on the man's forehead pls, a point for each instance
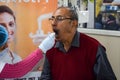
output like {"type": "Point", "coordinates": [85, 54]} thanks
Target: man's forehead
{"type": "Point", "coordinates": [61, 11]}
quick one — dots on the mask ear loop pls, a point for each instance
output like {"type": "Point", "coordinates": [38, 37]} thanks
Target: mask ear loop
{"type": "Point", "coordinates": [11, 55]}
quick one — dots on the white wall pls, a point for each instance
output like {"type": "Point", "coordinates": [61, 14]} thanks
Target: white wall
{"type": "Point", "coordinates": [112, 44]}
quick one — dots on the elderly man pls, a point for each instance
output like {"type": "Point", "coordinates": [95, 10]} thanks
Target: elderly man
{"type": "Point", "coordinates": [75, 56]}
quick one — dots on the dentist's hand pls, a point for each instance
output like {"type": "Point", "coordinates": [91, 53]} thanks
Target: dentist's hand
{"type": "Point", "coordinates": [47, 43]}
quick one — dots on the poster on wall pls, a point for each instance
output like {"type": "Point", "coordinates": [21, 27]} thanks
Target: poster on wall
{"type": "Point", "coordinates": [27, 26]}
{"type": "Point", "coordinates": [31, 19]}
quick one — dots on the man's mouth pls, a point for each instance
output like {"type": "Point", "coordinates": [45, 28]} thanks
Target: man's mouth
{"type": "Point", "coordinates": [56, 31]}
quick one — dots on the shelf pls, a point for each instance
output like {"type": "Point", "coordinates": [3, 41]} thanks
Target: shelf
{"type": "Point", "coordinates": [100, 32]}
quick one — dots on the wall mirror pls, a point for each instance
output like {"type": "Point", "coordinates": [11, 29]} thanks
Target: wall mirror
{"type": "Point", "coordinates": [96, 16]}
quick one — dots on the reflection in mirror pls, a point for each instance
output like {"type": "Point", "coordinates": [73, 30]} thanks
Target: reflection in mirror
{"type": "Point", "coordinates": [85, 10]}
{"type": "Point", "coordinates": [81, 6]}
{"type": "Point", "coordinates": [96, 14]}
{"type": "Point", "coordinates": [107, 15]}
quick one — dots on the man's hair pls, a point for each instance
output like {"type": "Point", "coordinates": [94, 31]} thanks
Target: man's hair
{"type": "Point", "coordinates": [4, 8]}
{"type": "Point", "coordinates": [73, 14]}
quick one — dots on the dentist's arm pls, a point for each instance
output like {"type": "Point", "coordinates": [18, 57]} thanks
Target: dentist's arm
{"type": "Point", "coordinates": [21, 68]}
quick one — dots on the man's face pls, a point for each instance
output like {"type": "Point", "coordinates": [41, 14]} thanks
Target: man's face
{"type": "Point", "coordinates": [7, 20]}
{"type": "Point", "coordinates": [61, 24]}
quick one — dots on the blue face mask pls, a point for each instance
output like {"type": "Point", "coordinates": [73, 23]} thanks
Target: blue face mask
{"type": "Point", "coordinates": [3, 35]}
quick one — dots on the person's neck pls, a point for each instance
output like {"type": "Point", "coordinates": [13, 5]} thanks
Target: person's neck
{"type": "Point", "coordinates": [67, 42]}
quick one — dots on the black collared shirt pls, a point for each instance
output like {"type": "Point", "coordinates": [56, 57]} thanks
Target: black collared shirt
{"type": "Point", "coordinates": [75, 43]}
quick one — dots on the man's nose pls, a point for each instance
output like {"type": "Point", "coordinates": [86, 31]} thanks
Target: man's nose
{"type": "Point", "coordinates": [54, 22]}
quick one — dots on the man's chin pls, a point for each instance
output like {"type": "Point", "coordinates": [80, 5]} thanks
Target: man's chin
{"type": "Point", "coordinates": [56, 38]}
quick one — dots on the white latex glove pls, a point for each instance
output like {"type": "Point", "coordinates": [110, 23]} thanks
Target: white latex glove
{"type": "Point", "coordinates": [47, 43]}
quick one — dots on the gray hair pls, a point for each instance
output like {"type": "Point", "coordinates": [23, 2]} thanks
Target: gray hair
{"type": "Point", "coordinates": [73, 14]}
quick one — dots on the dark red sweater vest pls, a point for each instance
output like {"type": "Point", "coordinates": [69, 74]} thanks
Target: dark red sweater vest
{"type": "Point", "coordinates": [77, 63]}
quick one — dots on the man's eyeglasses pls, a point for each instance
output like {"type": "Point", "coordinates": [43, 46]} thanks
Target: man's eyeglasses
{"type": "Point", "coordinates": [58, 18]}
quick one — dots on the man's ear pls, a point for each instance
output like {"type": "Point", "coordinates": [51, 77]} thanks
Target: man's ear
{"type": "Point", "coordinates": [74, 23]}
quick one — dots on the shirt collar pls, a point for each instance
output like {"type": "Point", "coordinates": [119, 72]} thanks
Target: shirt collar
{"type": "Point", "coordinates": [75, 42]}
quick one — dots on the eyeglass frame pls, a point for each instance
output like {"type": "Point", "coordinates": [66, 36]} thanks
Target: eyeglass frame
{"type": "Point", "coordinates": [59, 18]}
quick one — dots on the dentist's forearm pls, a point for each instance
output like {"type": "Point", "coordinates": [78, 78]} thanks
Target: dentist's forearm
{"type": "Point", "coordinates": [21, 68]}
